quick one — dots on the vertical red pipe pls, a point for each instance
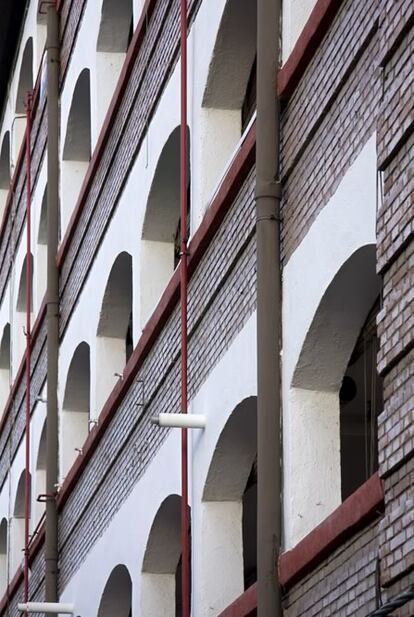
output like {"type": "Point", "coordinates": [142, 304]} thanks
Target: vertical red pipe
{"type": "Point", "coordinates": [185, 526]}
{"type": "Point", "coordinates": [28, 347]}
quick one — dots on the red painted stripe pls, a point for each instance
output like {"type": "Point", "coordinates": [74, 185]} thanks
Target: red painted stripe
{"type": "Point", "coordinates": [244, 606]}
{"type": "Point", "coordinates": [363, 506]}
{"type": "Point", "coordinates": [317, 26]}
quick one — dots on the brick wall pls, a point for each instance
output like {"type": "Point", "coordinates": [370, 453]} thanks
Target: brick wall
{"type": "Point", "coordinates": [396, 319]}
{"type": "Point", "coordinates": [344, 584]}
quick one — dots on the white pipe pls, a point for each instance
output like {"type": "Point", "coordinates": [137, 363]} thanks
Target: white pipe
{"type": "Point", "coordinates": [47, 607]}
{"type": "Point", "coordinates": [180, 420]}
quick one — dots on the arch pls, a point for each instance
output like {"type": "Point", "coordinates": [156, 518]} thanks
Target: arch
{"type": "Point", "coordinates": [228, 510]}
{"type": "Point", "coordinates": [114, 332]}
{"type": "Point", "coordinates": [234, 53]}
{"type": "Point", "coordinates": [77, 145]}
{"type": "Point", "coordinates": [25, 83]}
{"type": "Point", "coordinates": [314, 394]}
{"type": "Point", "coordinates": [41, 249]}
{"type": "Point", "coordinates": [160, 234]}
{"type": "Point", "coordinates": [114, 36]}
{"type": "Point", "coordinates": [4, 172]}
{"type": "Point", "coordinates": [3, 555]}
{"type": "Point", "coordinates": [115, 28]}
{"type": "Point", "coordinates": [17, 524]}
{"type": "Point", "coordinates": [40, 478]}
{"type": "Point", "coordinates": [117, 595]}
{"type": "Point", "coordinates": [76, 405]}
{"type": "Point", "coordinates": [229, 94]}
{"type": "Point", "coordinates": [161, 566]}
{"type": "Point", "coordinates": [19, 339]}
{"type": "Point", "coordinates": [4, 366]}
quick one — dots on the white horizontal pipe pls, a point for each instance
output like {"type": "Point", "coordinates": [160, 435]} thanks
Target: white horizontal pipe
{"type": "Point", "coordinates": [180, 420]}
{"type": "Point", "coordinates": [47, 607]}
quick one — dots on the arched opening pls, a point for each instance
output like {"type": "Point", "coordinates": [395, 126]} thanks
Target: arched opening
{"type": "Point", "coordinates": [4, 367]}
{"type": "Point", "coordinates": [4, 172]}
{"type": "Point", "coordinates": [75, 408]}
{"type": "Point", "coordinates": [41, 261]}
{"type": "Point", "coordinates": [160, 246]}
{"type": "Point", "coordinates": [115, 34]}
{"type": "Point", "coordinates": [328, 453]}
{"type": "Point", "coordinates": [361, 402]}
{"type": "Point", "coordinates": [3, 556]}
{"type": "Point", "coordinates": [19, 342]}
{"type": "Point", "coordinates": [17, 525]}
{"type": "Point", "coordinates": [228, 511]}
{"type": "Point", "coordinates": [40, 478]}
{"type": "Point", "coordinates": [229, 99]}
{"type": "Point", "coordinates": [25, 85]}
{"type": "Point", "coordinates": [161, 567]}
{"type": "Point", "coordinates": [114, 333]}
{"type": "Point", "coordinates": [117, 595]}
{"type": "Point", "coordinates": [77, 146]}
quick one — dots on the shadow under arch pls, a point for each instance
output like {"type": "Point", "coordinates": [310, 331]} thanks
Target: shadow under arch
{"type": "Point", "coordinates": [160, 244]}
{"type": "Point", "coordinates": [315, 450]}
{"type": "Point", "coordinates": [161, 566]}
{"type": "Point", "coordinates": [228, 510]}
{"type": "Point", "coordinates": [117, 594]}
{"type": "Point", "coordinates": [76, 406]}
{"type": "Point", "coordinates": [114, 342]}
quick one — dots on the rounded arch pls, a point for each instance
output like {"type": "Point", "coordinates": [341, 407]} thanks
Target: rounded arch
{"type": "Point", "coordinates": [25, 83]}
{"type": "Point", "coordinates": [228, 510]}
{"type": "Point", "coordinates": [229, 97]}
{"type": "Point", "coordinates": [4, 366]}
{"type": "Point", "coordinates": [313, 396]}
{"type": "Point", "coordinates": [160, 245]}
{"type": "Point", "coordinates": [76, 146]}
{"type": "Point", "coordinates": [19, 326]}
{"type": "Point", "coordinates": [115, 326]}
{"type": "Point", "coordinates": [17, 523]}
{"type": "Point", "coordinates": [337, 323]}
{"type": "Point", "coordinates": [3, 555]}
{"type": "Point", "coordinates": [114, 36]}
{"type": "Point", "coordinates": [161, 566]}
{"type": "Point", "coordinates": [117, 594]}
{"type": "Point", "coordinates": [41, 249]}
{"type": "Point", "coordinates": [76, 405]}
{"type": "Point", "coordinates": [4, 172]}
{"type": "Point", "coordinates": [40, 477]}
{"type": "Point", "coordinates": [115, 29]}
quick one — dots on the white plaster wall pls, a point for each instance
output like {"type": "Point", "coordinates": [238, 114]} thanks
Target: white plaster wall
{"type": "Point", "coordinates": [311, 419]}
{"type": "Point", "coordinates": [294, 17]}
{"type": "Point", "coordinates": [124, 541]}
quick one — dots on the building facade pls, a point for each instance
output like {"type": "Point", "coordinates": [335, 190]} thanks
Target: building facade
{"type": "Point", "coordinates": [346, 87]}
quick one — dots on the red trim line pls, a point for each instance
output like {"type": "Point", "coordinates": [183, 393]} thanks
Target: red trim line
{"type": "Point", "coordinates": [244, 606]}
{"type": "Point", "coordinates": [363, 506]}
{"type": "Point", "coordinates": [315, 30]}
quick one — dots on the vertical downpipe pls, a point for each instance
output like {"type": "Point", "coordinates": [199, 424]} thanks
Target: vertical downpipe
{"type": "Point", "coordinates": [268, 197]}
{"type": "Point", "coordinates": [28, 346]}
{"type": "Point", "coordinates": [52, 316]}
{"type": "Point", "coordinates": [185, 523]}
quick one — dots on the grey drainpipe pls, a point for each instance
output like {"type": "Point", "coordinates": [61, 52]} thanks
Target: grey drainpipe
{"type": "Point", "coordinates": [268, 195]}
{"type": "Point", "coordinates": [51, 539]}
